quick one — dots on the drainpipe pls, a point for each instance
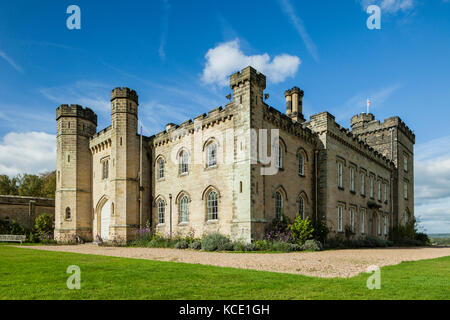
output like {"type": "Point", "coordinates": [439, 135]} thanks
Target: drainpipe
{"type": "Point", "coordinates": [316, 155]}
{"type": "Point", "coordinates": [392, 180]}
{"type": "Point", "coordinates": [170, 199]}
{"type": "Point", "coordinates": [141, 187]}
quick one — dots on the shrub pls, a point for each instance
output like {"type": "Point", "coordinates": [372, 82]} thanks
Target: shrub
{"type": "Point", "coordinates": [423, 238]}
{"type": "Point", "coordinates": [321, 230]}
{"type": "Point", "coordinates": [4, 227]}
{"type": "Point", "coordinates": [301, 230]}
{"type": "Point", "coordinates": [279, 225]}
{"type": "Point", "coordinates": [312, 245]}
{"type": "Point", "coordinates": [196, 245]}
{"type": "Point", "coordinates": [44, 224]}
{"type": "Point", "coordinates": [263, 245]}
{"type": "Point", "coordinates": [281, 246]}
{"type": "Point", "coordinates": [16, 229]}
{"type": "Point", "coordinates": [182, 244]}
{"type": "Point", "coordinates": [216, 242]}
{"type": "Point", "coordinates": [161, 242]}
{"type": "Point", "coordinates": [143, 237]}
{"type": "Point", "coordinates": [296, 247]}
{"type": "Point", "coordinates": [242, 246]}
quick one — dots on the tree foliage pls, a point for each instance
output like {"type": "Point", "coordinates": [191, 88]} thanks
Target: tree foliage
{"type": "Point", "coordinates": [29, 185]}
{"type": "Point", "coordinates": [301, 230]}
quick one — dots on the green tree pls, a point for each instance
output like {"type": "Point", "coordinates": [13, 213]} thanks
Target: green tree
{"type": "Point", "coordinates": [48, 188]}
{"type": "Point", "coordinates": [30, 185]}
{"type": "Point", "coordinates": [44, 224]}
{"type": "Point", "coordinates": [302, 230]}
{"type": "Point", "coordinates": [8, 186]}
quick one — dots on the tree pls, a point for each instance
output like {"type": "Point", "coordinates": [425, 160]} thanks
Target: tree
{"type": "Point", "coordinates": [8, 186]}
{"type": "Point", "coordinates": [48, 188]}
{"type": "Point", "coordinates": [30, 185]}
{"type": "Point", "coordinates": [302, 230]}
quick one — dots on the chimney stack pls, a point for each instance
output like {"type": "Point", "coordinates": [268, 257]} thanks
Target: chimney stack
{"type": "Point", "coordinates": [294, 104]}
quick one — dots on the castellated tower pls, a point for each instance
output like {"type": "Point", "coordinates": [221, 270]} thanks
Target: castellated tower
{"type": "Point", "coordinates": [394, 140]}
{"type": "Point", "coordinates": [73, 214]}
{"type": "Point", "coordinates": [125, 164]}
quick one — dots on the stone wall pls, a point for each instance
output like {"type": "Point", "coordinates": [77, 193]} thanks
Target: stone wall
{"type": "Point", "coordinates": [339, 147]}
{"type": "Point", "coordinates": [25, 210]}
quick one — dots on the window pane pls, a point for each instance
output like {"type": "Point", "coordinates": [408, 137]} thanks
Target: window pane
{"type": "Point", "coordinates": [211, 206]}
{"type": "Point", "coordinates": [278, 205]}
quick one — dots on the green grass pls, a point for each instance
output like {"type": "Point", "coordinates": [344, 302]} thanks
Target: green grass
{"type": "Point", "coordinates": [35, 274]}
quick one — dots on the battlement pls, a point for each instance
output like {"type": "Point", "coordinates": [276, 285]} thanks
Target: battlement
{"type": "Point", "coordinates": [124, 92]}
{"type": "Point", "coordinates": [286, 123]}
{"type": "Point", "coordinates": [361, 119]}
{"type": "Point", "coordinates": [75, 110]}
{"type": "Point", "coordinates": [248, 74]}
{"type": "Point", "coordinates": [325, 122]}
{"type": "Point", "coordinates": [205, 120]}
{"type": "Point", "coordinates": [297, 90]}
{"type": "Point", "coordinates": [366, 124]}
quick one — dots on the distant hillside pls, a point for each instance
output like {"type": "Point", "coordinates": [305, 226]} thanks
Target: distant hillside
{"type": "Point", "coordinates": [439, 235]}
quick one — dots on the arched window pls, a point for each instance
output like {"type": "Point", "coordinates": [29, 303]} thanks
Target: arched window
{"type": "Point", "coordinates": [112, 208]}
{"type": "Point", "coordinates": [183, 160]}
{"type": "Point", "coordinates": [184, 211]}
{"type": "Point", "coordinates": [278, 205]}
{"type": "Point", "coordinates": [212, 155]}
{"type": "Point", "coordinates": [68, 213]}
{"type": "Point", "coordinates": [301, 164]}
{"type": "Point", "coordinates": [211, 206]}
{"type": "Point", "coordinates": [161, 211]}
{"type": "Point", "coordinates": [280, 157]}
{"type": "Point", "coordinates": [301, 207]}
{"type": "Point", "coordinates": [161, 168]}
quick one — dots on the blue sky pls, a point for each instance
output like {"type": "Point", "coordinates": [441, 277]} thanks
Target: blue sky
{"type": "Point", "coordinates": [177, 54]}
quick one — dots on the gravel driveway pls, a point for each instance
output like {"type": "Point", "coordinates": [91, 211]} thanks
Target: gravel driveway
{"type": "Point", "coordinates": [338, 263]}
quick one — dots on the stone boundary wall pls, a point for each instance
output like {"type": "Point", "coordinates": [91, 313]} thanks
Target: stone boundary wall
{"type": "Point", "coordinates": [25, 210]}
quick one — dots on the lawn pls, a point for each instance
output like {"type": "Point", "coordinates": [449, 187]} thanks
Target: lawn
{"type": "Point", "coordinates": [34, 274]}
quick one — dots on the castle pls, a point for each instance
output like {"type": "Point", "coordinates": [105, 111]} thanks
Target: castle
{"type": "Point", "coordinates": [233, 170]}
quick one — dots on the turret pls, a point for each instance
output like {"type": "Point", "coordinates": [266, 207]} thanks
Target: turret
{"type": "Point", "coordinates": [125, 163]}
{"type": "Point", "coordinates": [294, 104]}
{"type": "Point", "coordinates": [248, 86]}
{"type": "Point", "coordinates": [73, 213]}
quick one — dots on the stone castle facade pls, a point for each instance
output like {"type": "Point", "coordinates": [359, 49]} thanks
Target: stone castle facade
{"type": "Point", "coordinates": [232, 170]}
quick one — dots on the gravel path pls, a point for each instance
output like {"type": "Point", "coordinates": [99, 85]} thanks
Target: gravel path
{"type": "Point", "coordinates": [339, 263]}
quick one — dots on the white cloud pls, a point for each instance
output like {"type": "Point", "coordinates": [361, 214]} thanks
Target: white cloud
{"type": "Point", "coordinates": [227, 58]}
{"type": "Point", "coordinates": [390, 6]}
{"type": "Point", "coordinates": [432, 184]}
{"type": "Point", "coordinates": [29, 152]}
{"type": "Point", "coordinates": [11, 61]}
{"type": "Point", "coordinates": [299, 26]}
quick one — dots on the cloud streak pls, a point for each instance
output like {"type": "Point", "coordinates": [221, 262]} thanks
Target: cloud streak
{"type": "Point", "coordinates": [297, 22]}
{"type": "Point", "coordinates": [390, 6]}
{"type": "Point", "coordinates": [357, 103]}
{"type": "Point", "coordinates": [165, 28]}
{"type": "Point", "coordinates": [11, 62]}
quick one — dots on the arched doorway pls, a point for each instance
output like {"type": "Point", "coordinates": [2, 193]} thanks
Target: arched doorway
{"type": "Point", "coordinates": [105, 220]}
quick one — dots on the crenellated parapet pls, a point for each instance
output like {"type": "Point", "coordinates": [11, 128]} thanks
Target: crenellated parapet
{"type": "Point", "coordinates": [124, 93]}
{"type": "Point", "coordinates": [363, 125]}
{"type": "Point", "coordinates": [325, 123]}
{"type": "Point", "coordinates": [248, 74]}
{"type": "Point", "coordinates": [75, 110]}
{"type": "Point", "coordinates": [285, 123]}
{"type": "Point", "coordinates": [201, 122]}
